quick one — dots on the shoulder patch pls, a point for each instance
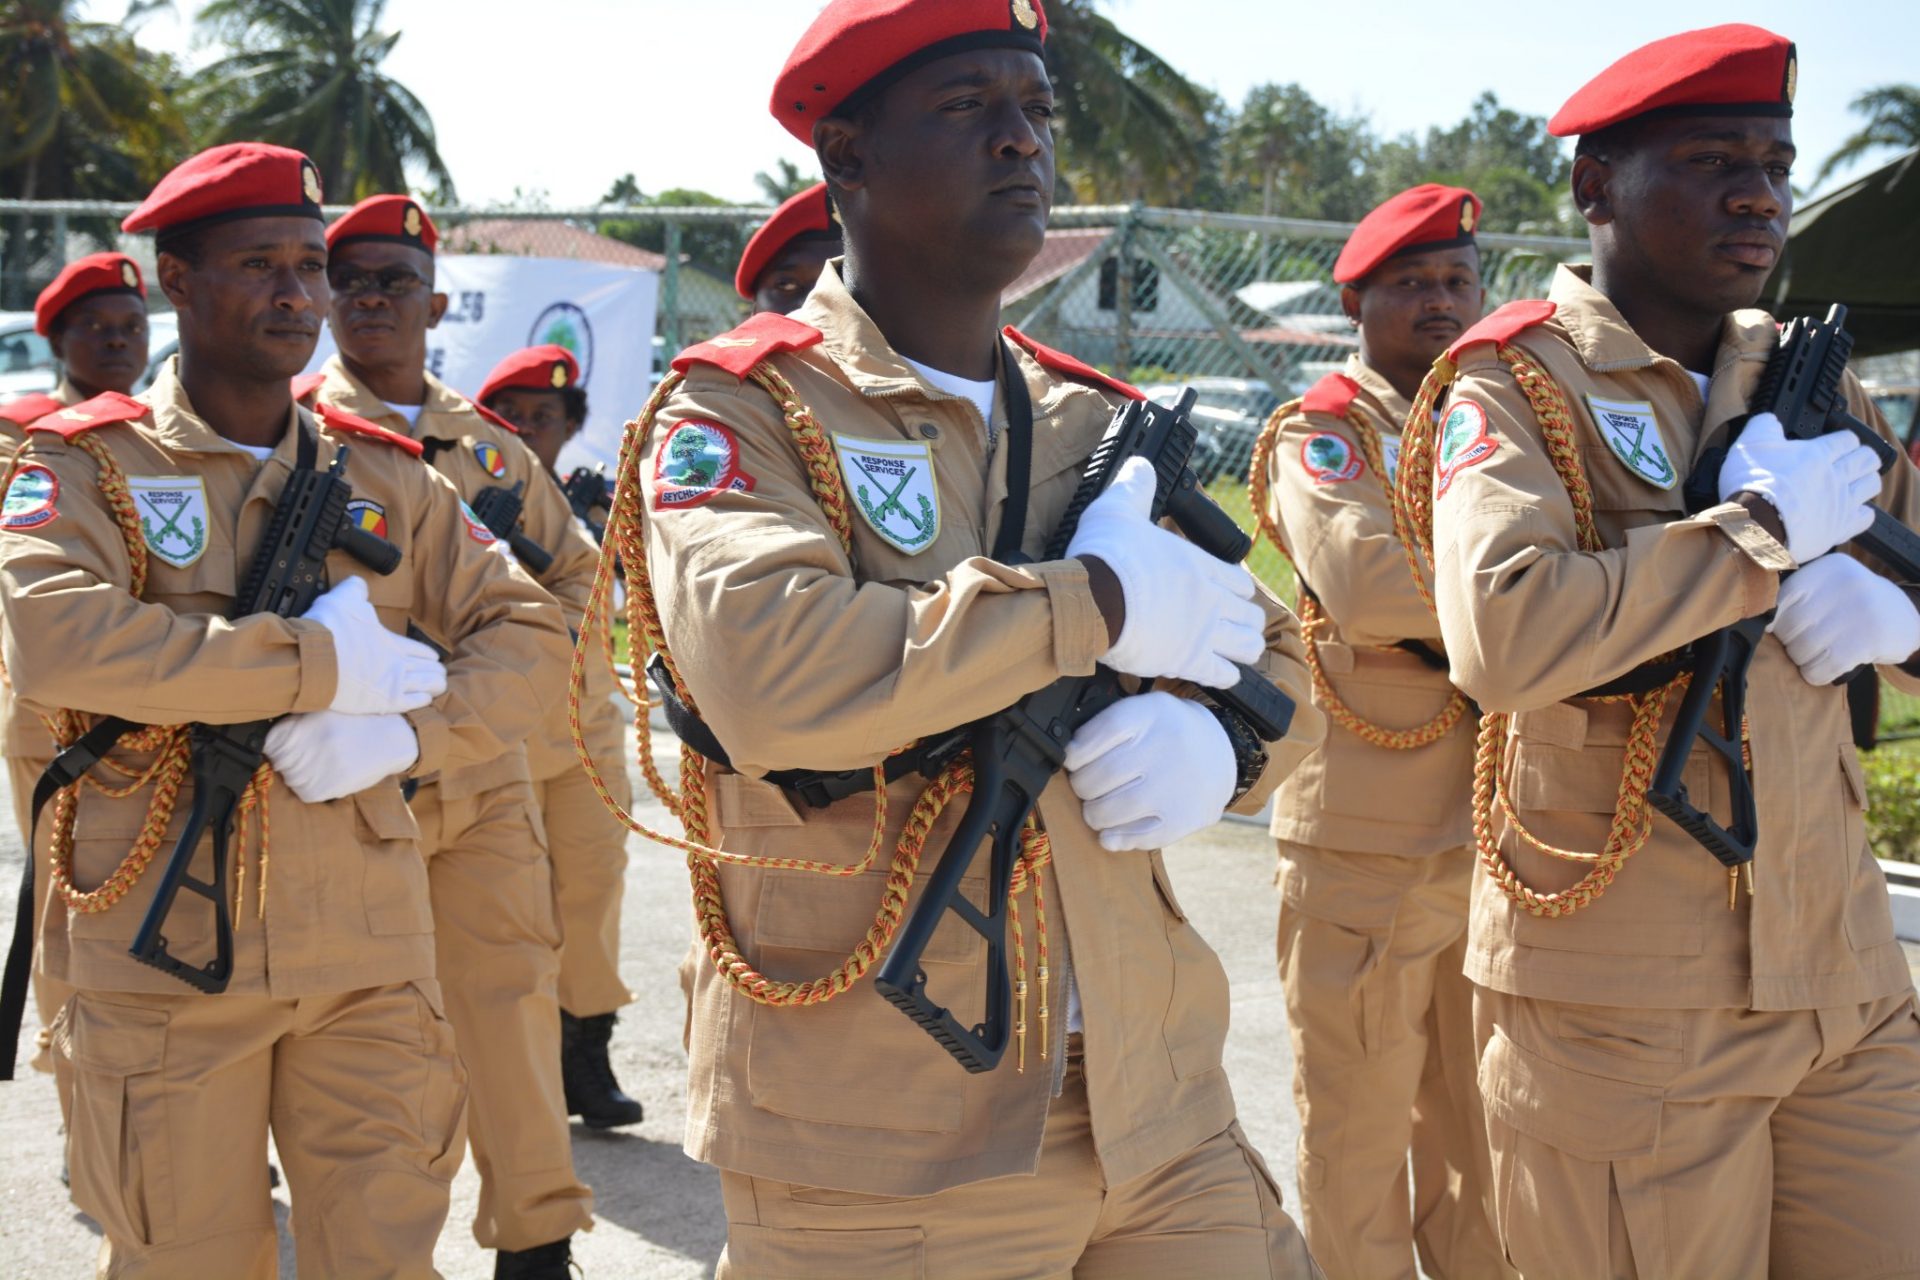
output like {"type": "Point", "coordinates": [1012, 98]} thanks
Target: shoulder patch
{"type": "Point", "coordinates": [306, 384]}
{"type": "Point", "coordinates": [173, 516]}
{"type": "Point", "coordinates": [1464, 442]}
{"type": "Point", "coordinates": [104, 409]}
{"type": "Point", "coordinates": [494, 418]}
{"type": "Point", "coordinates": [29, 408]}
{"type": "Point", "coordinates": [340, 420]}
{"type": "Point", "coordinates": [1061, 362]}
{"type": "Point", "coordinates": [1504, 324]}
{"type": "Point", "coordinates": [1633, 433]}
{"type": "Point", "coordinates": [1333, 395]}
{"type": "Point", "coordinates": [1329, 459]}
{"type": "Point", "coordinates": [697, 460]}
{"type": "Point", "coordinates": [745, 346]}
{"type": "Point", "coordinates": [491, 460]}
{"type": "Point", "coordinates": [31, 498]}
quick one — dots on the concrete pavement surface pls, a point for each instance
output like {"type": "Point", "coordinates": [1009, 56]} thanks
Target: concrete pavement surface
{"type": "Point", "coordinates": [659, 1215]}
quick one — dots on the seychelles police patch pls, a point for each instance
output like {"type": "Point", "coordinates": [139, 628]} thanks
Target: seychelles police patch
{"type": "Point", "coordinates": [1329, 459]}
{"type": "Point", "coordinates": [476, 528]}
{"type": "Point", "coordinates": [696, 461]}
{"type": "Point", "coordinates": [491, 458]}
{"type": "Point", "coordinates": [30, 498]}
{"type": "Point", "coordinates": [1464, 442]}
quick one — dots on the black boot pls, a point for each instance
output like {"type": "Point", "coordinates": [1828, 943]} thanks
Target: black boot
{"type": "Point", "coordinates": [542, 1262]}
{"type": "Point", "coordinates": [592, 1092]}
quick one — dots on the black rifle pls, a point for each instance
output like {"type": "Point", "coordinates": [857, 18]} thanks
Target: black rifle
{"type": "Point", "coordinates": [1017, 751]}
{"type": "Point", "coordinates": [288, 573]}
{"type": "Point", "coordinates": [1803, 387]}
{"type": "Point", "coordinates": [499, 509]}
{"type": "Point", "coordinates": [588, 490]}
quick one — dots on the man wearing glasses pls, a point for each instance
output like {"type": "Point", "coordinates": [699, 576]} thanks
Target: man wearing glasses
{"type": "Point", "coordinates": [496, 932]}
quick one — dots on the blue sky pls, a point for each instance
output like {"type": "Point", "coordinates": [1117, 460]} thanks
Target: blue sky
{"type": "Point", "coordinates": [564, 96]}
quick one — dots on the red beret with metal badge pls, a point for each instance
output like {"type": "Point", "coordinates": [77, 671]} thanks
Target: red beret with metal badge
{"type": "Point", "coordinates": [544, 368]}
{"type": "Point", "coordinates": [1419, 219]}
{"type": "Point", "coordinates": [856, 48]}
{"type": "Point", "coordinates": [82, 278]}
{"type": "Point", "coordinates": [1729, 70]}
{"type": "Point", "coordinates": [227, 183]}
{"type": "Point", "coordinates": [394, 219]}
{"type": "Point", "coordinates": [809, 213]}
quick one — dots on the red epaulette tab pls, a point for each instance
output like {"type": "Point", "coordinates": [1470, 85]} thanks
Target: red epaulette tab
{"type": "Point", "coordinates": [758, 337]}
{"type": "Point", "coordinates": [494, 418]}
{"type": "Point", "coordinates": [103, 410]}
{"type": "Point", "coordinates": [1503, 324]}
{"type": "Point", "coordinates": [1061, 362]}
{"type": "Point", "coordinates": [340, 420]}
{"type": "Point", "coordinates": [1332, 395]}
{"type": "Point", "coordinates": [306, 384]}
{"type": "Point", "coordinates": [29, 408]}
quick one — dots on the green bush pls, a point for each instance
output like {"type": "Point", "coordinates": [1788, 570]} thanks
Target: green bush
{"type": "Point", "coordinates": [1893, 791]}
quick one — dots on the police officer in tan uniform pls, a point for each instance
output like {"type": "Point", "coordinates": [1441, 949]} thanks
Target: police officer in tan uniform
{"type": "Point", "coordinates": [1686, 1072]}
{"type": "Point", "coordinates": [1373, 827]}
{"type": "Point", "coordinates": [817, 623]}
{"type": "Point", "coordinates": [94, 313]}
{"type": "Point", "coordinates": [495, 926]}
{"type": "Point", "coordinates": [531, 390]}
{"type": "Point", "coordinates": [127, 529]}
{"type": "Point", "coordinates": [784, 258]}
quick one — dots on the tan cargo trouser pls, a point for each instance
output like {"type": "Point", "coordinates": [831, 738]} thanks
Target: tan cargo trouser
{"type": "Point", "coordinates": [49, 993]}
{"type": "Point", "coordinates": [172, 1100]}
{"type": "Point", "coordinates": [589, 849]}
{"type": "Point", "coordinates": [1214, 1212]}
{"type": "Point", "coordinates": [496, 947]}
{"type": "Point", "coordinates": [1704, 1143]}
{"type": "Point", "coordinates": [1381, 1019]}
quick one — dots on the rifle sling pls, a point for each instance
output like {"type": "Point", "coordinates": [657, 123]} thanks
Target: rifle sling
{"type": "Point", "coordinates": [1646, 677]}
{"type": "Point", "coordinates": [1013, 517]}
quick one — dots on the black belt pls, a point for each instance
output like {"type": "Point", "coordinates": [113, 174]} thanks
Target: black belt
{"type": "Point", "coordinates": [1646, 677]}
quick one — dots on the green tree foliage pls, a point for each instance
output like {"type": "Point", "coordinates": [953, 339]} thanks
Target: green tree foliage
{"type": "Point", "coordinates": [785, 181]}
{"type": "Point", "coordinates": [1508, 159]}
{"type": "Point", "coordinates": [306, 74]}
{"type": "Point", "coordinates": [1128, 126]}
{"type": "Point", "coordinates": [1893, 120]}
{"type": "Point", "coordinates": [1286, 154]}
{"type": "Point", "coordinates": [716, 246]}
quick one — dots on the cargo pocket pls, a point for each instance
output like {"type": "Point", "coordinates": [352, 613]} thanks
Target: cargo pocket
{"type": "Point", "coordinates": [1561, 1140]}
{"type": "Point", "coordinates": [118, 1148]}
{"type": "Point", "coordinates": [1869, 918]}
{"type": "Point", "coordinates": [1195, 1026]}
{"type": "Point", "coordinates": [394, 887]}
{"type": "Point", "coordinates": [794, 1253]}
{"type": "Point", "coordinates": [1337, 939]}
{"type": "Point", "coordinates": [443, 1109]}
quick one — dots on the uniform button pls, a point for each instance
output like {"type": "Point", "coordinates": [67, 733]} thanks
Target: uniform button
{"type": "Point", "coordinates": [929, 432]}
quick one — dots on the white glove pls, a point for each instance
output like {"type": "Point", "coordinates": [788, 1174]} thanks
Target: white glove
{"type": "Point", "coordinates": [1188, 615]}
{"type": "Point", "coordinates": [324, 755]}
{"type": "Point", "coordinates": [1836, 614]}
{"type": "Point", "coordinates": [379, 672]}
{"type": "Point", "coordinates": [1820, 487]}
{"type": "Point", "coordinates": [1150, 770]}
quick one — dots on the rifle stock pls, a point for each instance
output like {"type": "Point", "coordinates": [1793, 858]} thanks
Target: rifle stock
{"type": "Point", "coordinates": [499, 509]}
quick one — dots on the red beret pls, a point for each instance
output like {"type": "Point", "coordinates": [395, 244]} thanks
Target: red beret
{"type": "Point", "coordinates": [95, 273]}
{"type": "Point", "coordinates": [808, 213]}
{"type": "Point", "coordinates": [855, 48]}
{"type": "Point", "coordinates": [547, 368]}
{"type": "Point", "coordinates": [1420, 218]}
{"type": "Point", "coordinates": [223, 184]}
{"type": "Point", "coordinates": [397, 219]}
{"type": "Point", "coordinates": [1731, 70]}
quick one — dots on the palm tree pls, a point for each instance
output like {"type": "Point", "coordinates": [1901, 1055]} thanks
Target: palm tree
{"type": "Point", "coordinates": [1893, 120]}
{"type": "Point", "coordinates": [785, 181]}
{"type": "Point", "coordinates": [1130, 127]}
{"type": "Point", "coordinates": [306, 74]}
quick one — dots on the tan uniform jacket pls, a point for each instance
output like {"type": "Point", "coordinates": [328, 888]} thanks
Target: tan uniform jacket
{"type": "Point", "coordinates": [456, 436]}
{"type": "Point", "coordinates": [1530, 622]}
{"type": "Point", "coordinates": [1338, 525]}
{"type": "Point", "coordinates": [347, 890]}
{"type": "Point", "coordinates": [798, 655]}
{"type": "Point", "coordinates": [26, 737]}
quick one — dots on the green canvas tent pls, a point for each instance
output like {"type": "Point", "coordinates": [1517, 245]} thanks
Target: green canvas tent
{"type": "Point", "coordinates": [1860, 246]}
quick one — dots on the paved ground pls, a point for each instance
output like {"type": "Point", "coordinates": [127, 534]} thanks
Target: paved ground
{"type": "Point", "coordinates": [659, 1212]}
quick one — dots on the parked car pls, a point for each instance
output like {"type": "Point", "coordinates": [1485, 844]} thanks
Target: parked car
{"type": "Point", "coordinates": [26, 361]}
{"type": "Point", "coordinates": [1229, 414]}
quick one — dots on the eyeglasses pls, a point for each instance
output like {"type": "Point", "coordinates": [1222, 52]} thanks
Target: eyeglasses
{"type": "Point", "coordinates": [396, 282]}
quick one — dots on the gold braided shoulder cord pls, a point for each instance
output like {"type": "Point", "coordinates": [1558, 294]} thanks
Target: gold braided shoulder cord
{"type": "Point", "coordinates": [168, 769]}
{"type": "Point", "coordinates": [1632, 823]}
{"type": "Point", "coordinates": [1313, 619]}
{"type": "Point", "coordinates": [691, 801]}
